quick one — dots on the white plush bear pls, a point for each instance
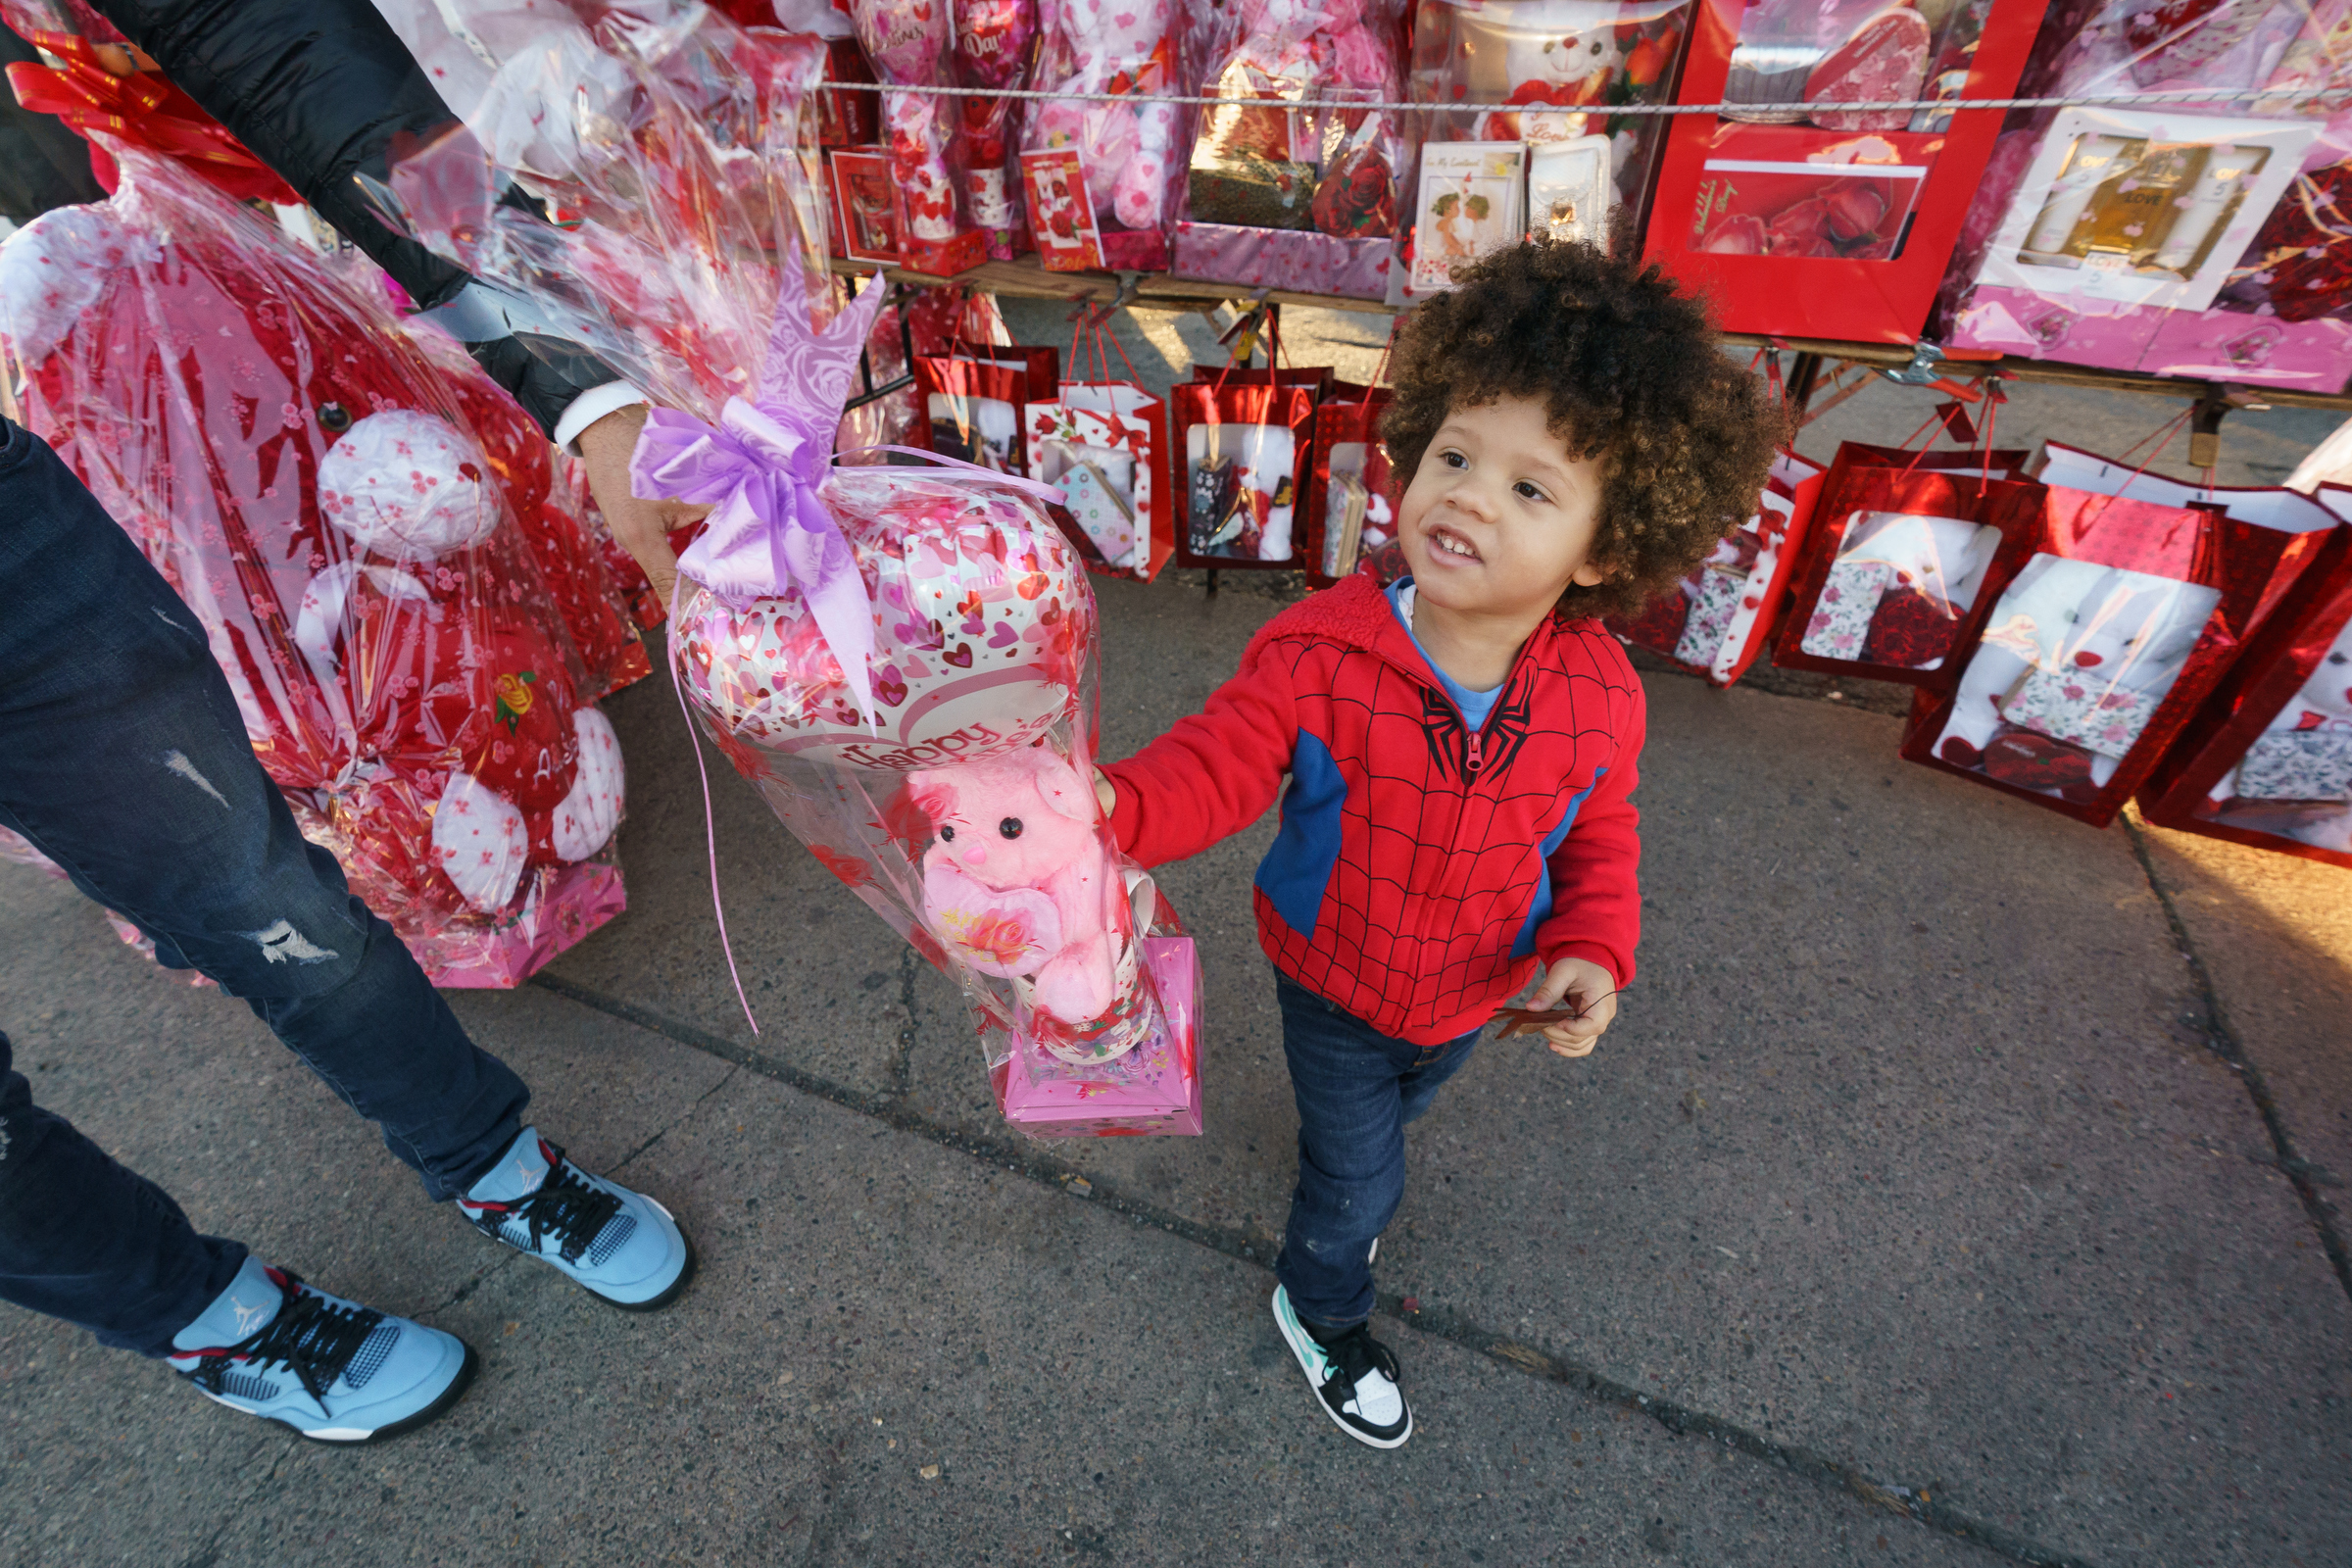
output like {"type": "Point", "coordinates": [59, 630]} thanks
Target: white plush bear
{"type": "Point", "coordinates": [2079, 652]}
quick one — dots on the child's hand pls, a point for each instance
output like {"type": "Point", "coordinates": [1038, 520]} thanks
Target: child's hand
{"type": "Point", "coordinates": [1589, 989]}
{"type": "Point", "coordinates": [1104, 796]}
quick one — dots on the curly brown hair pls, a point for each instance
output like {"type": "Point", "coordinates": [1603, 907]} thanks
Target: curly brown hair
{"type": "Point", "coordinates": [1626, 367]}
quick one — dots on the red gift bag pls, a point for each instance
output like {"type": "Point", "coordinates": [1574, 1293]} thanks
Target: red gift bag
{"type": "Point", "coordinates": [1104, 441]}
{"type": "Point", "coordinates": [1903, 551]}
{"type": "Point", "coordinates": [2119, 620]}
{"type": "Point", "coordinates": [1352, 492]}
{"type": "Point", "coordinates": [972, 397]}
{"type": "Point", "coordinates": [1241, 449]}
{"type": "Point", "coordinates": [1715, 621]}
{"type": "Point", "coordinates": [2269, 761]}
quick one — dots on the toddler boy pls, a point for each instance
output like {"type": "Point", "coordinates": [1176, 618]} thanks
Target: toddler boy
{"type": "Point", "coordinates": [1460, 746]}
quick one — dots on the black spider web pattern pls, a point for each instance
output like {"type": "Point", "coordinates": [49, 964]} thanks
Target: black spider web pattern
{"type": "Point", "coordinates": [1423, 913]}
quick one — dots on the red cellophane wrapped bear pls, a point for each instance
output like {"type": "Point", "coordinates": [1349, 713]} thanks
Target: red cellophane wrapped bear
{"type": "Point", "coordinates": [311, 486]}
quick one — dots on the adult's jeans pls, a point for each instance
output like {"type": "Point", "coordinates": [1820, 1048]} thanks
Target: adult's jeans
{"type": "Point", "coordinates": [124, 760]}
{"type": "Point", "coordinates": [1356, 1089]}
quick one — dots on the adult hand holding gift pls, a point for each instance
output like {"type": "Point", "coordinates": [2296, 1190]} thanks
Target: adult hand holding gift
{"type": "Point", "coordinates": [901, 662]}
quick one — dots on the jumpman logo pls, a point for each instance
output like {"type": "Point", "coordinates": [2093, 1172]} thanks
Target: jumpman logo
{"type": "Point", "coordinates": [248, 1317]}
{"type": "Point", "coordinates": [531, 1179]}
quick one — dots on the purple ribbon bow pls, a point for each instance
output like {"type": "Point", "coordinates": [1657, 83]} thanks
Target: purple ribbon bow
{"type": "Point", "coordinates": [761, 466]}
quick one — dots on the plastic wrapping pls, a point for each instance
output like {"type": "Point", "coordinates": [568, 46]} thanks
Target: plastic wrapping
{"type": "Point", "coordinates": [1715, 621]}
{"type": "Point", "coordinates": [1302, 197]}
{"type": "Point", "coordinates": [2096, 652]}
{"type": "Point", "coordinates": [1902, 546]}
{"type": "Point", "coordinates": [1544, 72]}
{"type": "Point", "coordinates": [311, 485]}
{"type": "Point", "coordinates": [1817, 219]}
{"type": "Point", "coordinates": [2271, 763]}
{"type": "Point", "coordinates": [913, 45]}
{"type": "Point", "coordinates": [994, 47]}
{"type": "Point", "coordinates": [1130, 154]}
{"type": "Point", "coordinates": [901, 659]}
{"type": "Point", "coordinates": [2197, 240]}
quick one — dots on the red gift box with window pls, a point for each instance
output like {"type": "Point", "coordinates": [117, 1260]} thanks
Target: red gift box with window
{"type": "Point", "coordinates": [1823, 222]}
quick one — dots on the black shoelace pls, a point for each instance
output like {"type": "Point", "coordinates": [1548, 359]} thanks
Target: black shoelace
{"type": "Point", "coordinates": [565, 1207]}
{"type": "Point", "coordinates": [1356, 1353]}
{"type": "Point", "coordinates": [312, 1337]}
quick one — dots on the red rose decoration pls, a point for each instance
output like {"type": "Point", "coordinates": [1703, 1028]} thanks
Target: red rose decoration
{"type": "Point", "coordinates": [1357, 197]}
{"type": "Point", "coordinates": [1910, 630]}
{"type": "Point", "coordinates": [2034, 761]}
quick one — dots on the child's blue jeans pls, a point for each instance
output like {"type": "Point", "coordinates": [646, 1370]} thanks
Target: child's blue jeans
{"type": "Point", "coordinates": [1356, 1088]}
{"type": "Point", "coordinates": [123, 758]}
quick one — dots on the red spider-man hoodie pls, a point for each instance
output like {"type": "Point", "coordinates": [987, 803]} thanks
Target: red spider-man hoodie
{"type": "Point", "coordinates": [1421, 870]}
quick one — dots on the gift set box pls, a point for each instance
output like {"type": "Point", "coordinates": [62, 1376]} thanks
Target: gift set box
{"type": "Point", "coordinates": [2193, 239]}
{"type": "Point", "coordinates": [1155, 1088]}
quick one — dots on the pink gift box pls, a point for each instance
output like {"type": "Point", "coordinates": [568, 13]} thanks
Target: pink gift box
{"type": "Point", "coordinates": [2203, 345]}
{"type": "Point", "coordinates": [1155, 1088]}
{"type": "Point", "coordinates": [1301, 259]}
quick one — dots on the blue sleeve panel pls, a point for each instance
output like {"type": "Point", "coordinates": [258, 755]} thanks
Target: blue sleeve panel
{"type": "Point", "coordinates": [1296, 869]}
{"type": "Point", "coordinates": [1540, 909]}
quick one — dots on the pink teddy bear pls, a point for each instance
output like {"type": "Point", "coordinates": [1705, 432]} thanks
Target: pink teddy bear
{"type": "Point", "coordinates": [1018, 883]}
{"type": "Point", "coordinates": [1111, 46]}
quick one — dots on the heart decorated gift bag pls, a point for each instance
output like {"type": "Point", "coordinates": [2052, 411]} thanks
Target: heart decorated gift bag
{"type": "Point", "coordinates": [2120, 618]}
{"type": "Point", "coordinates": [2269, 761]}
{"type": "Point", "coordinates": [903, 661]}
{"type": "Point", "coordinates": [1893, 577]}
{"type": "Point", "coordinates": [1720, 617]}
{"type": "Point", "coordinates": [346, 536]}
{"type": "Point", "coordinates": [1105, 442]}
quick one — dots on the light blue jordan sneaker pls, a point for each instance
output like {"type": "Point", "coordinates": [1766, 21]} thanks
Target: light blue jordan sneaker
{"type": "Point", "coordinates": [333, 1370]}
{"type": "Point", "coordinates": [620, 1247]}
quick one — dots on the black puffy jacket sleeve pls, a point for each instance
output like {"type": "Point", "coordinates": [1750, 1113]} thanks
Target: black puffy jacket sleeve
{"type": "Point", "coordinates": [321, 91]}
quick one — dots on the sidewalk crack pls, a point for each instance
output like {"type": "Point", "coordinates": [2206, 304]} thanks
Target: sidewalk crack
{"type": "Point", "coordinates": [2222, 1040]}
{"type": "Point", "coordinates": [1020, 1157]}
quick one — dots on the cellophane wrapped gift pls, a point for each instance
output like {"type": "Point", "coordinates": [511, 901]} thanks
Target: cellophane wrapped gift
{"type": "Point", "coordinates": [996, 48]}
{"type": "Point", "coordinates": [2200, 238]}
{"type": "Point", "coordinates": [1297, 198]}
{"type": "Point", "coordinates": [913, 45]}
{"type": "Point", "coordinates": [2100, 648]}
{"type": "Point", "coordinates": [1131, 153]}
{"type": "Point", "coordinates": [1715, 621]}
{"type": "Point", "coordinates": [900, 658]}
{"type": "Point", "coordinates": [1550, 72]}
{"type": "Point", "coordinates": [311, 485]}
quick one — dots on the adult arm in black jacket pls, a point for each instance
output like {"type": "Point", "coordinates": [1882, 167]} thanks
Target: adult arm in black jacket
{"type": "Point", "coordinates": [321, 91]}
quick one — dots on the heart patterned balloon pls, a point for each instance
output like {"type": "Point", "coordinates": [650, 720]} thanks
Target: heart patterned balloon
{"type": "Point", "coordinates": [981, 622]}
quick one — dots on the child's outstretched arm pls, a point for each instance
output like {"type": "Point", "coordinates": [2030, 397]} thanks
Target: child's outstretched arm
{"type": "Point", "coordinates": [1214, 772]}
{"type": "Point", "coordinates": [1588, 944]}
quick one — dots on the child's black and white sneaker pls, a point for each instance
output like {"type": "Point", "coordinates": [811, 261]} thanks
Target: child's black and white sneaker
{"type": "Point", "coordinates": [1353, 1376]}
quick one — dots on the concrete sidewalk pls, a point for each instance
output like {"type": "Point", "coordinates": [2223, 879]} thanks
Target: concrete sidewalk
{"type": "Point", "coordinates": [1959, 1184]}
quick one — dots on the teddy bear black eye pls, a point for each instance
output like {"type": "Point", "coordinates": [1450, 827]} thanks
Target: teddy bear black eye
{"type": "Point", "coordinates": [948, 833]}
{"type": "Point", "coordinates": [334, 417]}
{"type": "Point", "coordinates": [1011, 827]}
{"type": "Point", "coordinates": [2338, 659]}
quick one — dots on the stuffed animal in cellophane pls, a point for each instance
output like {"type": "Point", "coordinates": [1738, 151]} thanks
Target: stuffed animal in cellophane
{"type": "Point", "coordinates": [1128, 149]}
{"type": "Point", "coordinates": [901, 661]}
{"type": "Point", "coordinates": [311, 486]}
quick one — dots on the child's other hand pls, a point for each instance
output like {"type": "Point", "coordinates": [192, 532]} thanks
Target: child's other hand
{"type": "Point", "coordinates": [1104, 796]}
{"type": "Point", "coordinates": [1588, 987]}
